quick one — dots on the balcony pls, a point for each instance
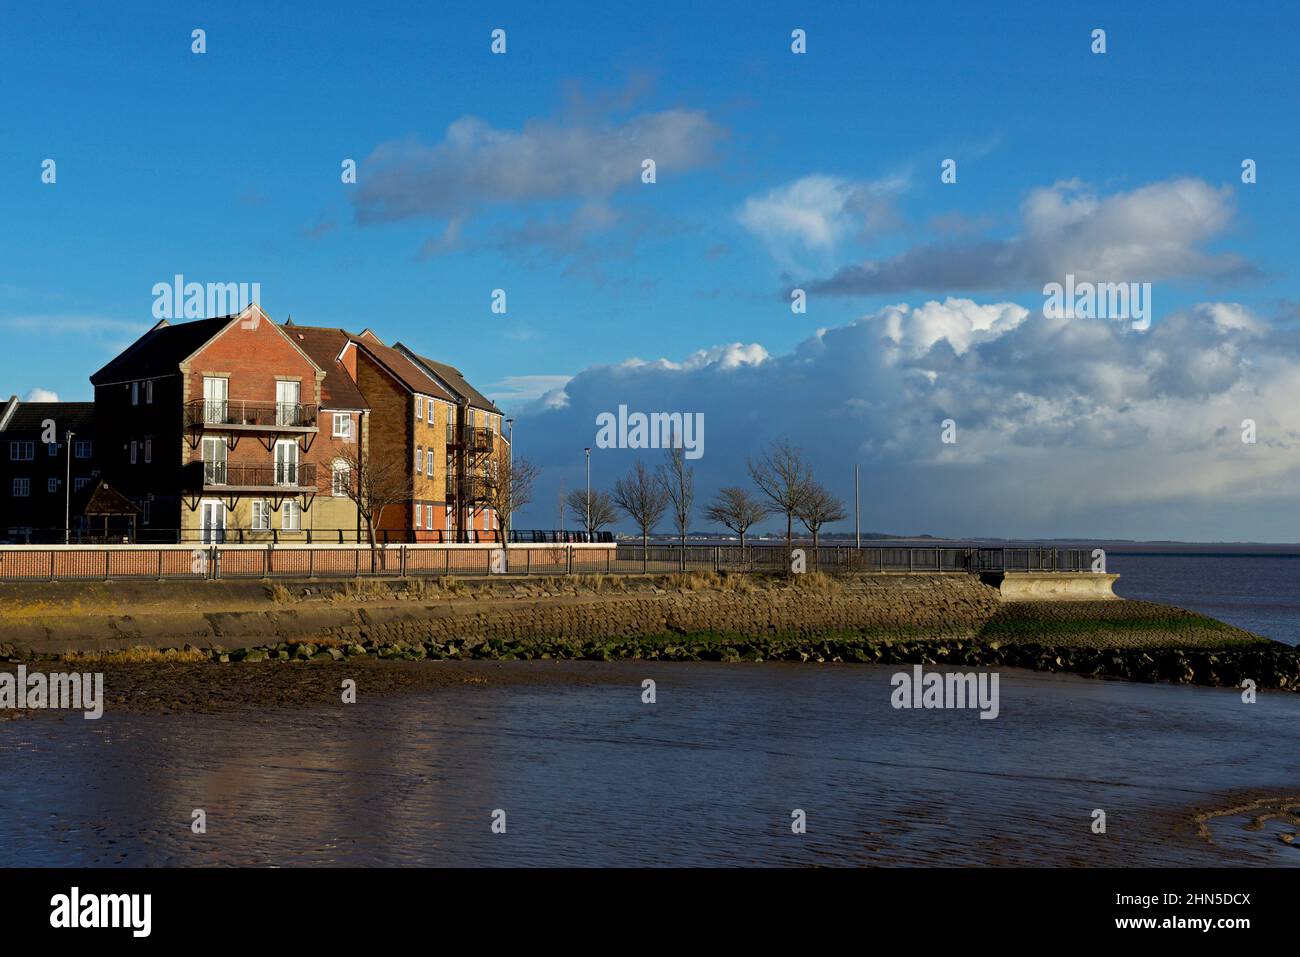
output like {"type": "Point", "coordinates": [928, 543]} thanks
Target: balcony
{"type": "Point", "coordinates": [472, 488]}
{"type": "Point", "coordinates": [470, 439]}
{"type": "Point", "coordinates": [251, 416]}
{"type": "Point", "coordinates": [283, 477]}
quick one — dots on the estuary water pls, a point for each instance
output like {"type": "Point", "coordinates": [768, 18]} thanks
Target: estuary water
{"type": "Point", "coordinates": [712, 773]}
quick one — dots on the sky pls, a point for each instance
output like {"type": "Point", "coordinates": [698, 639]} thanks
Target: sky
{"type": "Point", "coordinates": [820, 171]}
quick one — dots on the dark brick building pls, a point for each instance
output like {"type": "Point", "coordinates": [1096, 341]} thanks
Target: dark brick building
{"type": "Point", "coordinates": [34, 494]}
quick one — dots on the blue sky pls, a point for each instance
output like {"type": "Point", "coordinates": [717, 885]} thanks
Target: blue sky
{"type": "Point", "coordinates": [520, 172]}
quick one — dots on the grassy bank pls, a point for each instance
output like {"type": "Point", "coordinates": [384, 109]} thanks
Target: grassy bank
{"type": "Point", "coordinates": [949, 620]}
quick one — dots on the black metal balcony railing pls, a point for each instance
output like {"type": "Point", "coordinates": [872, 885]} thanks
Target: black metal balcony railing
{"type": "Point", "coordinates": [470, 487]}
{"type": "Point", "coordinates": [470, 438]}
{"type": "Point", "coordinates": [279, 475]}
{"type": "Point", "coordinates": [242, 413]}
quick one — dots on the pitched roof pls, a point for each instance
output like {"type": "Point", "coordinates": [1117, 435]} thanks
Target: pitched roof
{"type": "Point", "coordinates": [29, 416]}
{"type": "Point", "coordinates": [323, 345]}
{"type": "Point", "coordinates": [106, 500]}
{"type": "Point", "coordinates": [454, 380]}
{"type": "Point", "coordinates": [160, 351]}
{"type": "Point", "coordinates": [402, 368]}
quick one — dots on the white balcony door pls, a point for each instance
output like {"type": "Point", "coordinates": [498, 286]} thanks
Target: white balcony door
{"type": "Point", "coordinates": [213, 519]}
{"type": "Point", "coordinates": [214, 461]}
{"type": "Point", "coordinates": [215, 396]}
{"type": "Point", "coordinates": [286, 463]}
{"type": "Point", "coordinates": [287, 395]}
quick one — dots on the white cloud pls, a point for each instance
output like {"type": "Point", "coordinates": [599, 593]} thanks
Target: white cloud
{"type": "Point", "coordinates": [41, 395]}
{"type": "Point", "coordinates": [818, 212]}
{"type": "Point", "coordinates": [1065, 426]}
{"type": "Point", "coordinates": [525, 388]}
{"type": "Point", "coordinates": [1149, 234]}
{"type": "Point", "coordinates": [476, 165]}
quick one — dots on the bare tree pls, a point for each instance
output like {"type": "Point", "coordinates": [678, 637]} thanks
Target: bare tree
{"type": "Point", "coordinates": [373, 485]}
{"type": "Point", "coordinates": [508, 487]}
{"type": "Point", "coordinates": [738, 509]}
{"type": "Point", "coordinates": [677, 479]}
{"type": "Point", "coordinates": [643, 499]}
{"type": "Point", "coordinates": [602, 509]}
{"type": "Point", "coordinates": [818, 508]}
{"type": "Point", "coordinates": [782, 476]}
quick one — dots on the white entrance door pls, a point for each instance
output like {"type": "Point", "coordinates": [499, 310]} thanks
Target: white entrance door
{"type": "Point", "coordinates": [215, 396]}
{"type": "Point", "coordinates": [213, 519]}
{"type": "Point", "coordinates": [287, 395]}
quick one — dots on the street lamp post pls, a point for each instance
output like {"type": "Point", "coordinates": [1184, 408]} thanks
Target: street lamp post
{"type": "Point", "coordinates": [509, 479]}
{"type": "Point", "coordinates": [588, 451]}
{"type": "Point", "coordinates": [67, 490]}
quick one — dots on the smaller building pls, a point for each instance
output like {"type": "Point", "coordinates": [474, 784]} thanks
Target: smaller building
{"type": "Point", "coordinates": [110, 516]}
{"type": "Point", "coordinates": [36, 464]}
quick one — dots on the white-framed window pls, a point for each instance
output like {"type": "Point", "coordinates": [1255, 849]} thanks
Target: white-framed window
{"type": "Point", "coordinates": [415, 517]}
{"type": "Point", "coordinates": [341, 479]}
{"type": "Point", "coordinates": [287, 396]}
{"type": "Point", "coordinates": [290, 516]}
{"type": "Point", "coordinates": [428, 517]}
{"type": "Point", "coordinates": [22, 451]}
{"type": "Point", "coordinates": [286, 462]}
{"type": "Point", "coordinates": [419, 408]}
{"type": "Point", "coordinates": [428, 464]}
{"type": "Point", "coordinates": [342, 425]}
{"type": "Point", "coordinates": [216, 394]}
{"type": "Point", "coordinates": [429, 409]}
{"type": "Point", "coordinates": [261, 515]}
{"type": "Point", "coordinates": [135, 393]}
{"type": "Point", "coordinates": [135, 447]}
{"type": "Point", "coordinates": [146, 511]}
{"type": "Point", "coordinates": [148, 392]}
{"type": "Point", "coordinates": [81, 448]}
{"type": "Point", "coordinates": [52, 485]}
{"type": "Point", "coordinates": [419, 459]}
{"type": "Point", "coordinates": [22, 487]}
{"type": "Point", "coordinates": [52, 449]}
{"type": "Point", "coordinates": [214, 461]}
{"type": "Point", "coordinates": [148, 449]}
{"type": "Point", "coordinates": [79, 483]}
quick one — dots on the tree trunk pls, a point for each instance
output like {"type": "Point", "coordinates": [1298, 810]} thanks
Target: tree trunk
{"type": "Point", "coordinates": [644, 537]}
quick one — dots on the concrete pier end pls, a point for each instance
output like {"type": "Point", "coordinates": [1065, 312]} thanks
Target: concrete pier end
{"type": "Point", "coordinates": [1052, 586]}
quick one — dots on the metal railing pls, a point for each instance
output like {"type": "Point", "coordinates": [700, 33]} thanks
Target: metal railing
{"type": "Point", "coordinates": [326, 559]}
{"type": "Point", "coordinates": [218, 474]}
{"type": "Point", "coordinates": [471, 438]}
{"type": "Point", "coordinates": [471, 487]}
{"type": "Point", "coordinates": [236, 413]}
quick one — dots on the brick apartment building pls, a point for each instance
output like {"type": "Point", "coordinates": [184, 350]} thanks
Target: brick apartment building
{"type": "Point", "coordinates": [227, 429]}
{"type": "Point", "coordinates": [475, 447]}
{"type": "Point", "coordinates": [425, 413]}
{"type": "Point", "coordinates": [238, 429]}
{"type": "Point", "coordinates": [34, 495]}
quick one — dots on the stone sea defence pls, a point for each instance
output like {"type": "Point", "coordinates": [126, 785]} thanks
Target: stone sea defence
{"type": "Point", "coordinates": [917, 618]}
